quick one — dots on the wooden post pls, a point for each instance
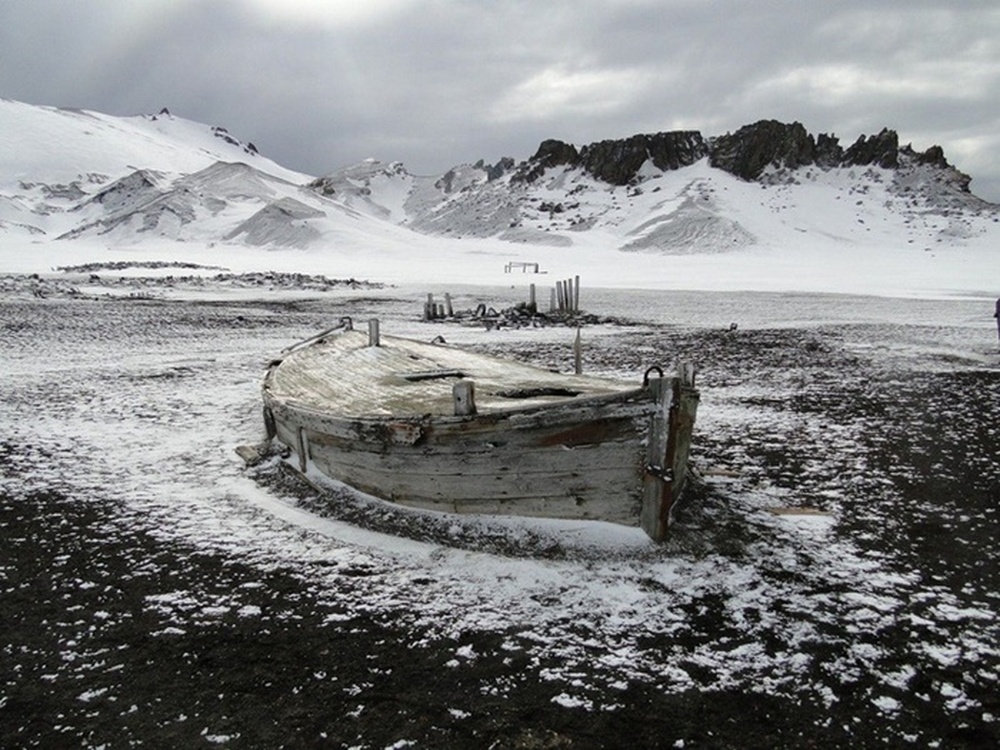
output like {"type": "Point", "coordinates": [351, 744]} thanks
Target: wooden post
{"type": "Point", "coordinates": [657, 496]}
{"type": "Point", "coordinates": [578, 353]}
{"type": "Point", "coordinates": [464, 394]}
{"type": "Point", "coordinates": [447, 304]}
{"type": "Point", "coordinates": [302, 448]}
{"type": "Point", "coordinates": [373, 337]}
{"type": "Point", "coordinates": [682, 418]}
{"type": "Point", "coordinates": [552, 299]}
{"type": "Point", "coordinates": [532, 306]}
{"type": "Point", "coordinates": [669, 445]}
{"type": "Point", "coordinates": [576, 294]}
{"type": "Point", "coordinates": [686, 372]}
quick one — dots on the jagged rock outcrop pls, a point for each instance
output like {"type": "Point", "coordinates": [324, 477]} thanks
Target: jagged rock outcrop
{"type": "Point", "coordinates": [933, 159]}
{"type": "Point", "coordinates": [495, 171]}
{"type": "Point", "coordinates": [551, 153]}
{"type": "Point", "coordinates": [746, 153]}
{"type": "Point", "coordinates": [751, 149]}
{"type": "Point", "coordinates": [676, 149]}
{"type": "Point", "coordinates": [618, 161]}
{"type": "Point", "coordinates": [615, 162]}
{"type": "Point", "coordinates": [881, 149]}
{"type": "Point", "coordinates": [828, 151]}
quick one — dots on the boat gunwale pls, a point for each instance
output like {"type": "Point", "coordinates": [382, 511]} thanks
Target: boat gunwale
{"type": "Point", "coordinates": [595, 400]}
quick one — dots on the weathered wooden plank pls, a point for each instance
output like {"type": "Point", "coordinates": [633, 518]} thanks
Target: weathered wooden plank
{"type": "Point", "coordinates": [556, 494]}
{"type": "Point", "coordinates": [657, 481]}
{"type": "Point", "coordinates": [622, 513]}
{"type": "Point", "coordinates": [683, 432]}
{"type": "Point", "coordinates": [465, 436]}
{"type": "Point", "coordinates": [609, 456]}
{"type": "Point", "coordinates": [635, 402]}
{"type": "Point", "coordinates": [498, 480]}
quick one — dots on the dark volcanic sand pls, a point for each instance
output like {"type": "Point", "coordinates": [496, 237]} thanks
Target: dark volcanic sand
{"type": "Point", "coordinates": [124, 623]}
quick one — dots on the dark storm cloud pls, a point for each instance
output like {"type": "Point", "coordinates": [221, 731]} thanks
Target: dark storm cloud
{"type": "Point", "coordinates": [320, 84]}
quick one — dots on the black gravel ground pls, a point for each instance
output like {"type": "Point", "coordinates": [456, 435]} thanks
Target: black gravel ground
{"type": "Point", "coordinates": [893, 429]}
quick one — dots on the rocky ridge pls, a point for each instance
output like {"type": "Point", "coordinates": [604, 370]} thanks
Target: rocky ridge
{"type": "Point", "coordinates": [746, 154]}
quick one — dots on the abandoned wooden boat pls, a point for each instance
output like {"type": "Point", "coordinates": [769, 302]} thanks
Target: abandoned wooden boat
{"type": "Point", "coordinates": [433, 426]}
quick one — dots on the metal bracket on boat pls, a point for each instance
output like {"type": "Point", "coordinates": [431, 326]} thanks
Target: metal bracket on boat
{"type": "Point", "coordinates": [667, 475]}
{"type": "Point", "coordinates": [645, 377]}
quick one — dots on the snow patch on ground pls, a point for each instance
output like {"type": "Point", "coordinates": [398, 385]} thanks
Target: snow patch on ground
{"type": "Point", "coordinates": [795, 605]}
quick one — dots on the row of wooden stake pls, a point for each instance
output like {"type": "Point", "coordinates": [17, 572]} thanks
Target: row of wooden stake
{"type": "Point", "coordinates": [435, 310]}
{"type": "Point", "coordinates": [564, 297]}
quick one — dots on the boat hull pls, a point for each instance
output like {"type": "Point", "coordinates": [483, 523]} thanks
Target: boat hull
{"type": "Point", "coordinates": [617, 456]}
{"type": "Point", "coordinates": [583, 461]}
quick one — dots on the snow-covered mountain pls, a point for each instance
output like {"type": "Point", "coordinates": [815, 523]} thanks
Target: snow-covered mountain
{"type": "Point", "coordinates": [705, 196]}
{"type": "Point", "coordinates": [69, 176]}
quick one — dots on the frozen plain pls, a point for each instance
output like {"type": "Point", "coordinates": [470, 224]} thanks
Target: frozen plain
{"type": "Point", "coordinates": [179, 597]}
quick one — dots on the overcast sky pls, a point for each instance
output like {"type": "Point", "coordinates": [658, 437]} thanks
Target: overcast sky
{"type": "Point", "coordinates": [319, 84]}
